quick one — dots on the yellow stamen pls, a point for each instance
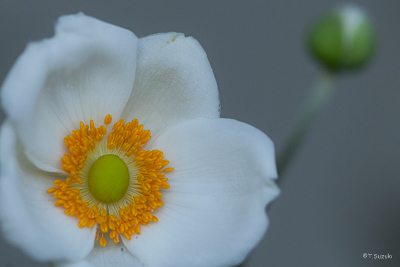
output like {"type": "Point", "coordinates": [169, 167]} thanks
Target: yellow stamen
{"type": "Point", "coordinates": [103, 242]}
{"type": "Point", "coordinates": [146, 181]}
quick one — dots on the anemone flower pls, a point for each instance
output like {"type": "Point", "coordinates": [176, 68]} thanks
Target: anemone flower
{"type": "Point", "coordinates": [113, 154]}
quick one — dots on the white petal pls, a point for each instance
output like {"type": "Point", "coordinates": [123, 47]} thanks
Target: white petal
{"type": "Point", "coordinates": [214, 212]}
{"type": "Point", "coordinates": [73, 264]}
{"type": "Point", "coordinates": [28, 216]}
{"type": "Point", "coordinates": [84, 72]}
{"type": "Point", "coordinates": [109, 256]}
{"type": "Point", "coordinates": [174, 82]}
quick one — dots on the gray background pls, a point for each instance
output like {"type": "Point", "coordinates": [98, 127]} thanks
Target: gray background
{"type": "Point", "coordinates": [340, 196]}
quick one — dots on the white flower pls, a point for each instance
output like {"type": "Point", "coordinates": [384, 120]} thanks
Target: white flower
{"type": "Point", "coordinates": [215, 198]}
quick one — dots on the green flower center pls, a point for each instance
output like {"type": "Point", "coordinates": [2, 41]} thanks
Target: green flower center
{"type": "Point", "coordinates": [108, 178]}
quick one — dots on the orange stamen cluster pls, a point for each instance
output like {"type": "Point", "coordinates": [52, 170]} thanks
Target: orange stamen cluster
{"type": "Point", "coordinates": [79, 143]}
{"type": "Point", "coordinates": [126, 140]}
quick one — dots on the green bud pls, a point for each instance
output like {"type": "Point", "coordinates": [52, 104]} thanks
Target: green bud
{"type": "Point", "coordinates": [343, 39]}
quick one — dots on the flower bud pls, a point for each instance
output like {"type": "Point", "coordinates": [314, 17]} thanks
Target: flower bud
{"type": "Point", "coordinates": [343, 39]}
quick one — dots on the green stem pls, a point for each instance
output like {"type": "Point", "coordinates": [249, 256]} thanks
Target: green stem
{"type": "Point", "coordinates": [317, 100]}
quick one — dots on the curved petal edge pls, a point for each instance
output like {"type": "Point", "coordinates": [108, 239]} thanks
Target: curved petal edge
{"type": "Point", "coordinates": [174, 82]}
{"type": "Point", "coordinates": [28, 216]}
{"type": "Point", "coordinates": [214, 211]}
{"type": "Point", "coordinates": [85, 71]}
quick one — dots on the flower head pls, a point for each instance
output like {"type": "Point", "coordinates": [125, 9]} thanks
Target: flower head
{"type": "Point", "coordinates": [118, 139]}
{"type": "Point", "coordinates": [343, 39]}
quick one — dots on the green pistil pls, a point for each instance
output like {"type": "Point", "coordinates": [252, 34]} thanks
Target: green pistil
{"type": "Point", "coordinates": [108, 178]}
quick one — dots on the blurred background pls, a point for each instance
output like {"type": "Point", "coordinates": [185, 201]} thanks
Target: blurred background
{"type": "Point", "coordinates": [341, 193]}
